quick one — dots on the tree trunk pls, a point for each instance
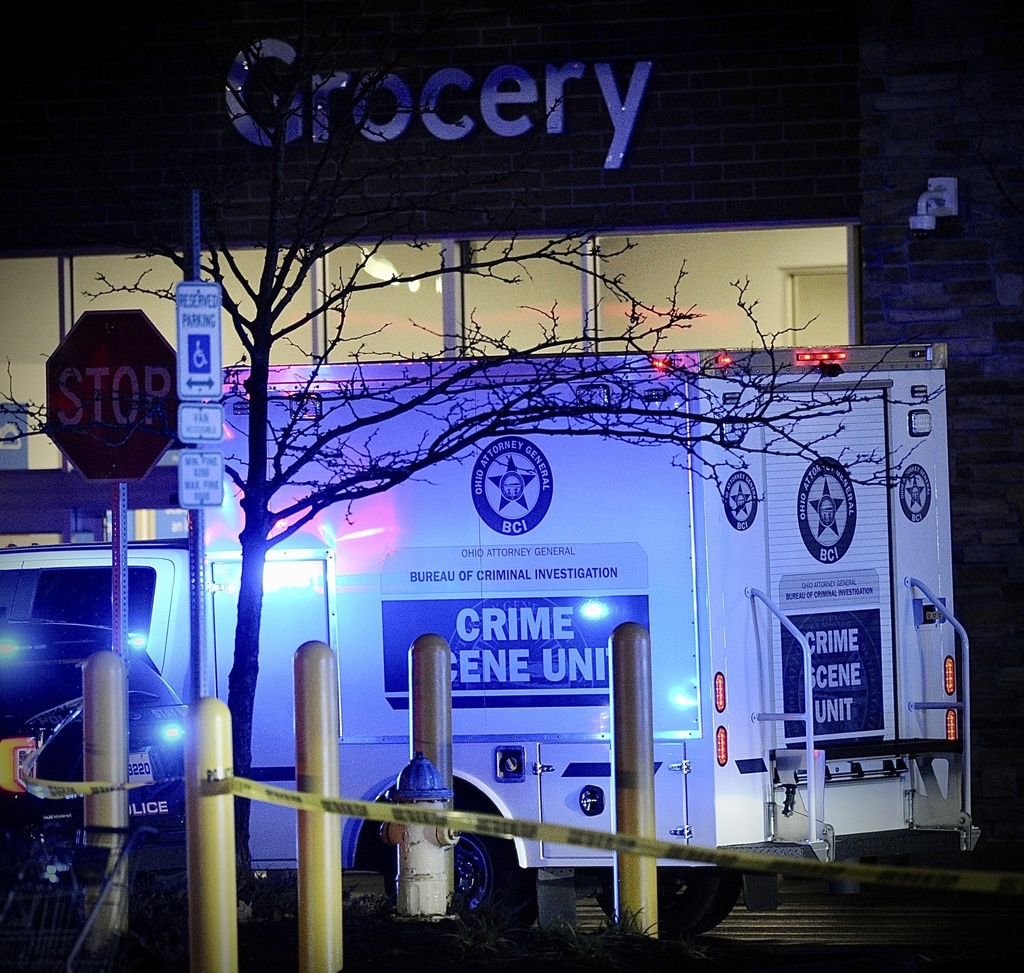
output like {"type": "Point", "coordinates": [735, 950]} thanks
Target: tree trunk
{"type": "Point", "coordinates": [243, 677]}
{"type": "Point", "coordinates": [245, 667]}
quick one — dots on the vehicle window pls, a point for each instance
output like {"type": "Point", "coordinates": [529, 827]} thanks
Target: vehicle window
{"type": "Point", "coordinates": [32, 642]}
{"type": "Point", "coordinates": [83, 596]}
{"type": "Point", "coordinates": [8, 585]}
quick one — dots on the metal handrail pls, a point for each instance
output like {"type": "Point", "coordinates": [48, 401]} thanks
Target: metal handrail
{"type": "Point", "coordinates": [965, 685]}
{"type": "Point", "coordinates": [807, 715]}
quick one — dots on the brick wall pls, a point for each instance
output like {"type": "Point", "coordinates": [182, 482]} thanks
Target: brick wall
{"type": "Point", "coordinates": [942, 94]}
{"type": "Point", "coordinates": [750, 114]}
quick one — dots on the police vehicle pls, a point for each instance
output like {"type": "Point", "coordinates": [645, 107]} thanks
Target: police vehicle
{"type": "Point", "coordinates": [792, 568]}
{"type": "Point", "coordinates": [51, 621]}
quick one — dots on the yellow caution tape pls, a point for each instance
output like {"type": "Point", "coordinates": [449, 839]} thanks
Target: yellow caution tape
{"type": "Point", "coordinates": [938, 879]}
{"type": "Point", "coordinates": [1002, 883]}
{"type": "Point", "coordinates": [62, 790]}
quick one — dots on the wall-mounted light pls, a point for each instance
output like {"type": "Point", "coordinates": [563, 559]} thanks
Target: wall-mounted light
{"type": "Point", "coordinates": [940, 200]}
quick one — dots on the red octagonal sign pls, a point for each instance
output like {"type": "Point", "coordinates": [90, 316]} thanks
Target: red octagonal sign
{"type": "Point", "coordinates": [111, 395]}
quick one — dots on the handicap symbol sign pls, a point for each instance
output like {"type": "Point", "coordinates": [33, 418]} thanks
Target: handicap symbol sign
{"type": "Point", "coordinates": [199, 359]}
{"type": "Point", "coordinates": [13, 428]}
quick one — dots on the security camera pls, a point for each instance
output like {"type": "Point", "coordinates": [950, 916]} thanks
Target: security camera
{"type": "Point", "coordinates": [922, 225]}
{"type": "Point", "coordinates": [940, 199]}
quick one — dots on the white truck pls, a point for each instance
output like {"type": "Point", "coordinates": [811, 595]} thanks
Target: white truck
{"type": "Point", "coordinates": [804, 561]}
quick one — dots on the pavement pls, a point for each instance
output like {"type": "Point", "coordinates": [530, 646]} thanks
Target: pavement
{"type": "Point", "coordinates": [896, 929]}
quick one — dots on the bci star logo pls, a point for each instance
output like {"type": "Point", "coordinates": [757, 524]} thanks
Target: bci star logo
{"type": "Point", "coordinates": [511, 484]}
{"type": "Point", "coordinates": [826, 510]}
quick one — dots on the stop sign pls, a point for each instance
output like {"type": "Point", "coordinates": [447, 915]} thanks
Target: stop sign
{"type": "Point", "coordinates": [111, 398]}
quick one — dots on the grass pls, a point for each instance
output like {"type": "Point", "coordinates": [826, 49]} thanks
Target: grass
{"type": "Point", "coordinates": [376, 940]}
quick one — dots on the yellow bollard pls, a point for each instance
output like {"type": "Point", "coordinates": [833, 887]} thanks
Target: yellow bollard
{"type": "Point", "coordinates": [317, 729]}
{"type": "Point", "coordinates": [105, 740]}
{"type": "Point", "coordinates": [633, 769]}
{"type": "Point", "coordinates": [105, 758]}
{"type": "Point", "coordinates": [430, 719]}
{"type": "Point", "coordinates": [430, 709]}
{"type": "Point", "coordinates": [210, 840]}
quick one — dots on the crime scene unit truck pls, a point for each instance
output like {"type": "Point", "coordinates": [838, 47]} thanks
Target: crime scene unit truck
{"type": "Point", "coordinates": [791, 565]}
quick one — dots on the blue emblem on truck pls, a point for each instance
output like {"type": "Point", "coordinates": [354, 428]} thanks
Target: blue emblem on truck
{"type": "Point", "coordinates": [826, 509]}
{"type": "Point", "coordinates": [740, 498]}
{"type": "Point", "coordinates": [915, 493]}
{"type": "Point", "coordinates": [511, 485]}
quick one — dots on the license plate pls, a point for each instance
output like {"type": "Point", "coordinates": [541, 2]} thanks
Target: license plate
{"type": "Point", "coordinates": [140, 770]}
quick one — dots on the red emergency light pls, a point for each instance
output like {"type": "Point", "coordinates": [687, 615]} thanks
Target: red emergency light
{"type": "Point", "coordinates": [821, 357]}
{"type": "Point", "coordinates": [949, 675]}
{"type": "Point", "coordinates": [719, 692]}
{"type": "Point", "coordinates": [722, 746]}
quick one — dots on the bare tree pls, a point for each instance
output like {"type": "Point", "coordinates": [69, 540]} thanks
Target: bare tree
{"type": "Point", "coordinates": [338, 444]}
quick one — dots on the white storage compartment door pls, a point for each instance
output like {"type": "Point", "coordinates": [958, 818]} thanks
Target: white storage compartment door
{"type": "Point", "coordinates": [830, 565]}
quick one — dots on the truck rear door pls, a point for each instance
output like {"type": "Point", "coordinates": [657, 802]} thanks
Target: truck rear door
{"type": "Point", "coordinates": [298, 607]}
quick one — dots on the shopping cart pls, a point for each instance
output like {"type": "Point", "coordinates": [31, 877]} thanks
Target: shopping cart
{"type": "Point", "coordinates": [63, 901]}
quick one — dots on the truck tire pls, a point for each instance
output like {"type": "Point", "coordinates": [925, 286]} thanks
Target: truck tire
{"type": "Point", "coordinates": [691, 901]}
{"type": "Point", "coordinates": [487, 874]}
{"type": "Point", "coordinates": [694, 900]}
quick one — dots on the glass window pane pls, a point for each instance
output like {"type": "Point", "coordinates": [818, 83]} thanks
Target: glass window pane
{"type": "Point", "coordinates": [30, 330]}
{"type": "Point", "coordinates": [82, 596]}
{"type": "Point", "coordinates": [521, 304]}
{"type": "Point", "coordinates": [153, 274]}
{"type": "Point", "coordinates": [94, 278]}
{"type": "Point", "coordinates": [820, 306]}
{"type": "Point", "coordinates": [293, 350]}
{"type": "Point", "coordinates": [715, 261]}
{"type": "Point", "coordinates": [397, 310]}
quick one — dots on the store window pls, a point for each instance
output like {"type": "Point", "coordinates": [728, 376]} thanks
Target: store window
{"type": "Point", "coordinates": [526, 303]}
{"type": "Point", "coordinates": [820, 302]}
{"type": "Point", "coordinates": [795, 282]}
{"type": "Point", "coordinates": [396, 310]}
{"type": "Point", "coordinates": [29, 333]}
{"type": "Point", "coordinates": [792, 280]}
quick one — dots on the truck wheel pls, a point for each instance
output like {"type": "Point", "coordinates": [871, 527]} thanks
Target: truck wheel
{"type": "Point", "coordinates": [487, 874]}
{"type": "Point", "coordinates": [690, 900]}
{"type": "Point", "coordinates": [474, 871]}
{"type": "Point", "coordinates": [694, 900]}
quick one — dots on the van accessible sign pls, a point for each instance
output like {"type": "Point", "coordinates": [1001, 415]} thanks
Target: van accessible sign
{"type": "Point", "coordinates": [505, 99]}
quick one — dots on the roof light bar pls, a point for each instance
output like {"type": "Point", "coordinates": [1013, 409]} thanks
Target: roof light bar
{"type": "Point", "coordinates": [823, 356]}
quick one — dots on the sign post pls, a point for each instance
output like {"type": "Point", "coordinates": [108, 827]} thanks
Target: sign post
{"type": "Point", "coordinates": [200, 416]}
{"type": "Point", "coordinates": [197, 306]}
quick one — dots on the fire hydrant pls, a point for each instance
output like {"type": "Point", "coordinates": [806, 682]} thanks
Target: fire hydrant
{"type": "Point", "coordinates": [423, 881]}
